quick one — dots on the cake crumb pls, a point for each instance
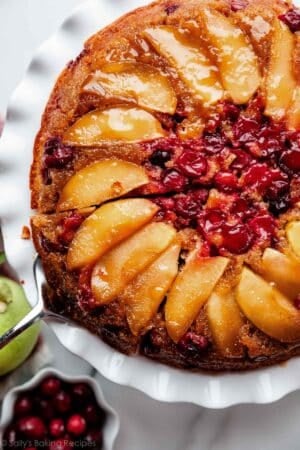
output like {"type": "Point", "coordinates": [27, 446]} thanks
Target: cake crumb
{"type": "Point", "coordinates": [25, 233]}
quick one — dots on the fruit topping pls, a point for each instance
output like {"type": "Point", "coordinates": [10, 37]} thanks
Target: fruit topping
{"type": "Point", "coordinates": [190, 61]}
{"type": "Point", "coordinates": [267, 308]}
{"type": "Point", "coordinates": [141, 83]}
{"type": "Point", "coordinates": [107, 227]}
{"type": "Point", "coordinates": [190, 291]}
{"type": "Point", "coordinates": [128, 260]}
{"type": "Point", "coordinates": [237, 62]}
{"type": "Point", "coordinates": [122, 124]}
{"type": "Point", "coordinates": [292, 19]}
{"type": "Point", "coordinates": [117, 178]}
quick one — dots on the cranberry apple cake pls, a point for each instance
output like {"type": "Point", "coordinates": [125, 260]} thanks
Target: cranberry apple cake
{"type": "Point", "coordinates": [166, 184]}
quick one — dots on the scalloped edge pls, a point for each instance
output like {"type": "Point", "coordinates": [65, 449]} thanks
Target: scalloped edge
{"type": "Point", "coordinates": [160, 382]}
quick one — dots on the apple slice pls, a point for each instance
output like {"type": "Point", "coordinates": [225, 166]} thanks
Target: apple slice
{"type": "Point", "coordinates": [293, 236]}
{"type": "Point", "coordinates": [121, 123]}
{"type": "Point", "coordinates": [144, 295]}
{"type": "Point", "coordinates": [280, 81]}
{"type": "Point", "coordinates": [191, 62]}
{"type": "Point", "coordinates": [107, 227]}
{"type": "Point", "coordinates": [99, 182]}
{"type": "Point", "coordinates": [225, 321]}
{"type": "Point", "coordinates": [190, 291]}
{"type": "Point", "coordinates": [283, 271]}
{"type": "Point", "coordinates": [267, 308]}
{"type": "Point", "coordinates": [144, 84]}
{"type": "Point", "coordinates": [293, 114]}
{"type": "Point", "coordinates": [237, 61]}
{"type": "Point", "coordinates": [117, 268]}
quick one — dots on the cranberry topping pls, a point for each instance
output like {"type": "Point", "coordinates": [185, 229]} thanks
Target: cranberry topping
{"type": "Point", "coordinates": [237, 239]}
{"type": "Point", "coordinates": [159, 158]}
{"type": "Point", "coordinates": [56, 154]}
{"type": "Point", "coordinates": [242, 159]}
{"type": "Point", "coordinates": [192, 164]}
{"type": "Point", "coordinates": [193, 343]}
{"type": "Point", "coordinates": [263, 227]}
{"type": "Point", "coordinates": [85, 295]}
{"type": "Point", "coordinates": [226, 181]}
{"type": "Point", "coordinates": [238, 5]}
{"type": "Point", "coordinates": [68, 226]}
{"type": "Point", "coordinates": [290, 160]}
{"type": "Point", "coordinates": [292, 19]}
{"type": "Point", "coordinates": [170, 9]}
{"type": "Point", "coordinates": [174, 181]}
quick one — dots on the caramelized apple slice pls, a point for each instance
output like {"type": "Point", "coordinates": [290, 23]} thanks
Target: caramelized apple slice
{"type": "Point", "coordinates": [283, 271]}
{"type": "Point", "coordinates": [99, 182]}
{"type": "Point", "coordinates": [267, 308]}
{"type": "Point", "coordinates": [225, 321]}
{"type": "Point", "coordinates": [106, 227]}
{"type": "Point", "coordinates": [293, 236]}
{"type": "Point", "coordinates": [293, 115]}
{"type": "Point", "coordinates": [115, 124]}
{"type": "Point", "coordinates": [123, 263]}
{"type": "Point", "coordinates": [237, 61]}
{"type": "Point", "coordinates": [280, 81]}
{"type": "Point", "coordinates": [190, 291]}
{"type": "Point", "coordinates": [191, 62]}
{"type": "Point", "coordinates": [144, 295]}
{"type": "Point", "coordinates": [144, 84]}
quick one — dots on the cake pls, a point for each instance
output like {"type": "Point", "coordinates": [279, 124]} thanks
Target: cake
{"type": "Point", "coordinates": [166, 188]}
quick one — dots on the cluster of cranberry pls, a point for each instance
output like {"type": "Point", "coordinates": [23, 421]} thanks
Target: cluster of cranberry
{"type": "Point", "coordinates": [232, 183]}
{"type": "Point", "coordinates": [56, 416]}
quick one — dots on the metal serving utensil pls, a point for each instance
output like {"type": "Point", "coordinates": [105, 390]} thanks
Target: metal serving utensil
{"type": "Point", "coordinates": [38, 312]}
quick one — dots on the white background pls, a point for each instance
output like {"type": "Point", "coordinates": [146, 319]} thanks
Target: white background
{"type": "Point", "coordinates": [145, 424]}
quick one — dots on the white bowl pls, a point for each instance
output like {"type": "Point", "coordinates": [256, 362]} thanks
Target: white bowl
{"type": "Point", "coordinates": [23, 119]}
{"type": "Point", "coordinates": [111, 426]}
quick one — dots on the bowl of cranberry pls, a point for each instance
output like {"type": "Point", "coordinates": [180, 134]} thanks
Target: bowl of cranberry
{"type": "Point", "coordinates": [55, 411]}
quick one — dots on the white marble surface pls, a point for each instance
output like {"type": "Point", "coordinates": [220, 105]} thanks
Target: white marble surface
{"type": "Point", "coordinates": [145, 424]}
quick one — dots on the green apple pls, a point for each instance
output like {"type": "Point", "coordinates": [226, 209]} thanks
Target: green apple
{"type": "Point", "coordinates": [13, 307]}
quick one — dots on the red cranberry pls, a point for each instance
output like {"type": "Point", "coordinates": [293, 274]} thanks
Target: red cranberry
{"type": "Point", "coordinates": [192, 164]}
{"type": "Point", "coordinates": [238, 5]}
{"type": "Point", "coordinates": [93, 414]}
{"type": "Point", "coordinates": [44, 407]}
{"type": "Point", "coordinates": [199, 195]}
{"type": "Point", "coordinates": [186, 206]}
{"type": "Point", "coordinates": [297, 302]}
{"type": "Point", "coordinates": [170, 9]}
{"type": "Point", "coordinates": [230, 111]}
{"type": "Point", "coordinates": [213, 143]}
{"type": "Point", "coordinates": [76, 425]}
{"type": "Point", "coordinates": [226, 181]}
{"type": "Point", "coordinates": [165, 202]}
{"type": "Point", "coordinates": [23, 406]}
{"type": "Point", "coordinates": [160, 157]}
{"type": "Point", "coordinates": [57, 155]}
{"type": "Point", "coordinates": [260, 176]}
{"type": "Point", "coordinates": [213, 219]}
{"type": "Point", "coordinates": [237, 239]}
{"type": "Point", "coordinates": [240, 207]}
{"type": "Point", "coordinates": [263, 226]}
{"type": "Point", "coordinates": [68, 227]}
{"type": "Point", "coordinates": [280, 205]}
{"type": "Point", "coordinates": [50, 386]}
{"type": "Point", "coordinates": [61, 444]}
{"type": "Point", "coordinates": [32, 427]}
{"type": "Point", "coordinates": [290, 160]}
{"type": "Point", "coordinates": [57, 428]}
{"type": "Point", "coordinates": [174, 181]}
{"type": "Point", "coordinates": [241, 161]}
{"type": "Point", "coordinates": [193, 343]}
{"type": "Point", "coordinates": [62, 402]}
{"type": "Point", "coordinates": [292, 19]}
{"type": "Point", "coordinates": [81, 392]}
{"type": "Point", "coordinates": [245, 129]}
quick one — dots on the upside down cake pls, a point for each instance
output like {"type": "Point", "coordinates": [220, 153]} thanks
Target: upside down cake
{"type": "Point", "coordinates": [166, 184]}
